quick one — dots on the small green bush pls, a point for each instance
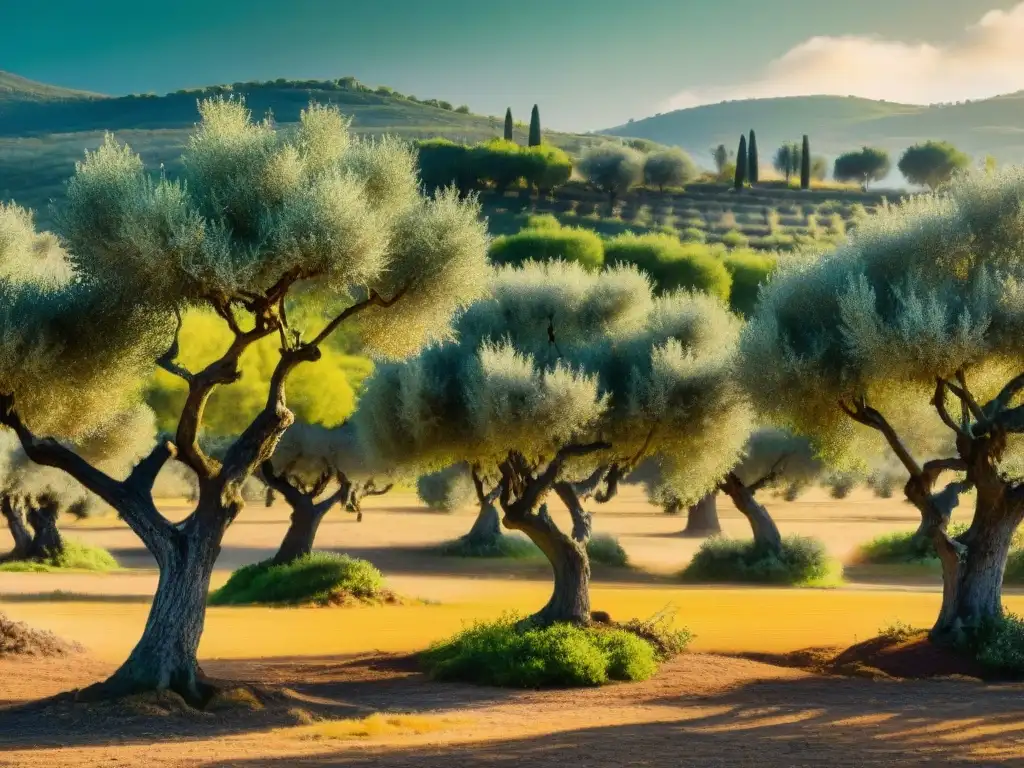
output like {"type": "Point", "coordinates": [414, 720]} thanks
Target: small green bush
{"type": "Point", "coordinates": [999, 644]}
{"type": "Point", "coordinates": [582, 246]}
{"type": "Point", "coordinates": [606, 550]}
{"type": "Point", "coordinates": [321, 578]}
{"type": "Point", "coordinates": [749, 270]}
{"type": "Point", "coordinates": [693, 235]}
{"type": "Point", "coordinates": [543, 221]}
{"type": "Point", "coordinates": [77, 555]}
{"type": "Point", "coordinates": [510, 546]}
{"type": "Point", "coordinates": [505, 654]}
{"type": "Point", "coordinates": [903, 547]}
{"type": "Point", "coordinates": [735, 239]}
{"type": "Point", "coordinates": [671, 263]}
{"type": "Point", "coordinates": [803, 561]}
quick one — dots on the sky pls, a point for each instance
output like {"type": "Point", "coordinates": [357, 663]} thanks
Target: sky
{"type": "Point", "coordinates": [589, 64]}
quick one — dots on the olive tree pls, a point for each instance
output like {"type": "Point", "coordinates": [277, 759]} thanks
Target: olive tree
{"type": "Point", "coordinates": [447, 489]}
{"type": "Point", "coordinates": [564, 381]}
{"type": "Point", "coordinates": [863, 166]}
{"type": "Point", "coordinates": [258, 217]}
{"type": "Point", "coordinates": [932, 163]}
{"type": "Point", "coordinates": [33, 497]}
{"type": "Point", "coordinates": [668, 168]}
{"type": "Point", "coordinates": [701, 516]}
{"type": "Point", "coordinates": [912, 325]}
{"type": "Point", "coordinates": [613, 169]}
{"type": "Point", "coordinates": [308, 459]}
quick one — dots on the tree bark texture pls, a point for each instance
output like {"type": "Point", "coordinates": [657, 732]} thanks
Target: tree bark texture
{"type": "Point", "coordinates": [298, 540]}
{"type": "Point", "coordinates": [11, 509]}
{"type": "Point", "coordinates": [166, 655]}
{"type": "Point", "coordinates": [766, 534]}
{"type": "Point", "coordinates": [487, 526]}
{"type": "Point", "coordinates": [702, 518]}
{"type": "Point", "coordinates": [47, 543]}
{"type": "Point", "coordinates": [570, 565]}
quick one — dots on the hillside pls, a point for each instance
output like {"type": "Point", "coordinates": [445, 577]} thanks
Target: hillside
{"type": "Point", "coordinates": [837, 124]}
{"type": "Point", "coordinates": [18, 90]}
{"type": "Point", "coordinates": [42, 137]}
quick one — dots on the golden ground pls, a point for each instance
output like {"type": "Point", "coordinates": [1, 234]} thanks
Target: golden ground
{"type": "Point", "coordinates": [702, 709]}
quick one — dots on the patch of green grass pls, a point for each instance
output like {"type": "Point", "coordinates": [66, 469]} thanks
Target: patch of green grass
{"type": "Point", "coordinates": [510, 546]}
{"type": "Point", "coordinates": [897, 631]}
{"type": "Point", "coordinates": [606, 550]}
{"type": "Point", "coordinates": [504, 653]}
{"type": "Point", "coordinates": [77, 556]}
{"type": "Point", "coordinates": [802, 562]}
{"type": "Point", "coordinates": [903, 547]}
{"type": "Point", "coordinates": [321, 578]}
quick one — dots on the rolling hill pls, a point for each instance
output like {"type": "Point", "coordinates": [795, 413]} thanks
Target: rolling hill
{"type": "Point", "coordinates": [837, 124]}
{"type": "Point", "coordinates": [19, 90]}
{"type": "Point", "coordinates": [45, 129]}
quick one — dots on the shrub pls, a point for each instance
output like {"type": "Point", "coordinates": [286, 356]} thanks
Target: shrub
{"type": "Point", "coordinates": [693, 235]}
{"type": "Point", "coordinates": [77, 555]}
{"type": "Point", "coordinates": [498, 161]}
{"type": "Point", "coordinates": [999, 644]}
{"type": "Point", "coordinates": [802, 561]}
{"type": "Point", "coordinates": [447, 490]}
{"type": "Point", "coordinates": [321, 578]}
{"type": "Point", "coordinates": [606, 550]}
{"type": "Point", "coordinates": [444, 163]}
{"type": "Point", "coordinates": [543, 221]}
{"type": "Point", "coordinates": [506, 654]}
{"type": "Point", "coordinates": [568, 243]}
{"type": "Point", "coordinates": [748, 271]}
{"type": "Point", "coordinates": [545, 167]}
{"type": "Point", "coordinates": [512, 546]}
{"type": "Point", "coordinates": [904, 547]}
{"type": "Point", "coordinates": [735, 239]}
{"type": "Point", "coordinates": [671, 263]}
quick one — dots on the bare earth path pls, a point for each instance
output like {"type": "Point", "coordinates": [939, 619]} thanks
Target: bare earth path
{"type": "Point", "coordinates": [702, 710]}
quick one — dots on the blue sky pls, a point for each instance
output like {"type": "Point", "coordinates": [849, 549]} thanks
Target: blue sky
{"type": "Point", "coordinates": [589, 63]}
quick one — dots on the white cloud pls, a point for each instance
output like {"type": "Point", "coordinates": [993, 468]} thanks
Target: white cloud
{"type": "Point", "coordinates": [986, 60]}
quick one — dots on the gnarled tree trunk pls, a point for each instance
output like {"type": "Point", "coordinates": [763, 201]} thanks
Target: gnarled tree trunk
{"type": "Point", "coordinates": [570, 598]}
{"type": "Point", "coordinates": [301, 533]}
{"type": "Point", "coordinates": [11, 509]}
{"type": "Point", "coordinates": [766, 534]}
{"type": "Point", "coordinates": [702, 518]}
{"type": "Point", "coordinates": [973, 566]}
{"type": "Point", "coordinates": [166, 655]}
{"type": "Point", "coordinates": [47, 543]}
{"type": "Point", "coordinates": [487, 526]}
{"type": "Point", "coordinates": [486, 530]}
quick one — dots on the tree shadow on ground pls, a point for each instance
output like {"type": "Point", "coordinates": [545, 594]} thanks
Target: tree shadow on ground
{"type": "Point", "coordinates": [327, 687]}
{"type": "Point", "coordinates": [795, 723]}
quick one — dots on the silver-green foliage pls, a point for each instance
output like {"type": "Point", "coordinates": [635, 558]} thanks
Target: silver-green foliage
{"type": "Point", "coordinates": [559, 355]}
{"type": "Point", "coordinates": [256, 204]}
{"type": "Point", "coordinates": [924, 289]}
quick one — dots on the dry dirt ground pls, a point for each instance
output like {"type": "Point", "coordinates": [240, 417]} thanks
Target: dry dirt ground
{"type": "Point", "coordinates": [707, 708]}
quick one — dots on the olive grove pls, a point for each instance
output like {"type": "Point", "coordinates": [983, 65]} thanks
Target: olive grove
{"type": "Point", "coordinates": [258, 217]}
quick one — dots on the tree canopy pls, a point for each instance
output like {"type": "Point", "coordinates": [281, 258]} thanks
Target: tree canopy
{"type": "Point", "coordinates": [863, 166]}
{"type": "Point", "coordinates": [613, 169]}
{"type": "Point", "coordinates": [668, 168]}
{"type": "Point", "coordinates": [932, 163]}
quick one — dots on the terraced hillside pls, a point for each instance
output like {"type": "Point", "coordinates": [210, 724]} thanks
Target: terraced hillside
{"type": "Point", "coordinates": [769, 218]}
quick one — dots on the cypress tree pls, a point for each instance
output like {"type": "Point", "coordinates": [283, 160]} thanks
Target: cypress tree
{"type": "Point", "coordinates": [508, 124]}
{"type": "Point", "coordinates": [805, 164]}
{"type": "Point", "coordinates": [535, 127]}
{"type": "Point", "coordinates": [753, 162]}
{"type": "Point", "coordinates": [741, 163]}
